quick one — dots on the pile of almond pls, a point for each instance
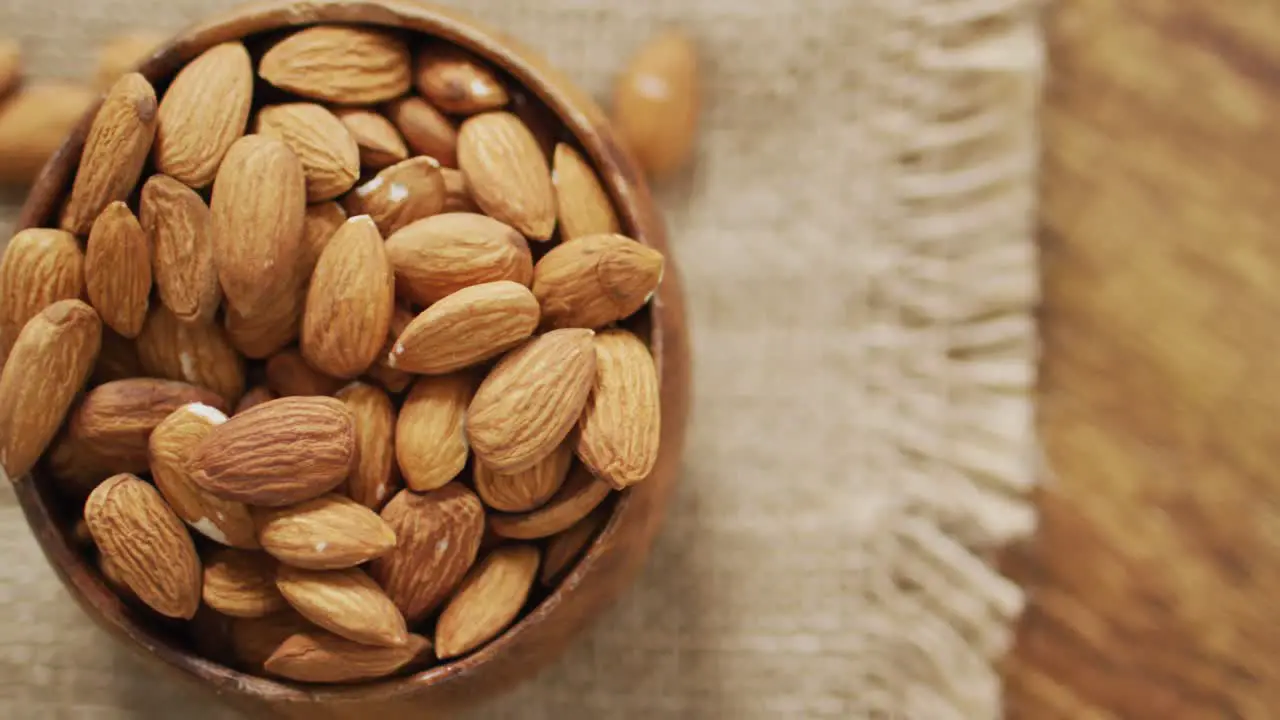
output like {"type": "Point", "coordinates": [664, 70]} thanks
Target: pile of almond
{"type": "Point", "coordinates": [338, 355]}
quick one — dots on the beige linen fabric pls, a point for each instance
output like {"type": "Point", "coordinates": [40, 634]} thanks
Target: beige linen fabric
{"type": "Point", "coordinates": [856, 236]}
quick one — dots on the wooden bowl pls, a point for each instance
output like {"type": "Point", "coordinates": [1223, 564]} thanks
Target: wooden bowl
{"type": "Point", "coordinates": [608, 566]}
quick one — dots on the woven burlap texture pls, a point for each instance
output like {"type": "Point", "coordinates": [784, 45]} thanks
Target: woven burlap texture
{"type": "Point", "coordinates": [856, 237]}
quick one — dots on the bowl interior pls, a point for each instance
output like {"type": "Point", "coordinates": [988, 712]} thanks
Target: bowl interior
{"type": "Point", "coordinates": [617, 551]}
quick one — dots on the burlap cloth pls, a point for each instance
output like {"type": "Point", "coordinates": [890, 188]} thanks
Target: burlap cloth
{"type": "Point", "coordinates": [856, 235]}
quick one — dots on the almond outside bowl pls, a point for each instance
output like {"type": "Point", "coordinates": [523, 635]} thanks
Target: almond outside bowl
{"type": "Point", "coordinates": [612, 561]}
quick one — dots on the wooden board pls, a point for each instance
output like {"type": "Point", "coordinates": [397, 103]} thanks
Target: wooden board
{"type": "Point", "coordinates": [1157, 572]}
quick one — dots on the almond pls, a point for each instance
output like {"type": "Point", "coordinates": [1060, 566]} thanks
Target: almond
{"type": "Point", "coordinates": [374, 479]}
{"type": "Point", "coordinates": [134, 528]}
{"type": "Point", "coordinates": [621, 424]}
{"type": "Point", "coordinates": [595, 280]}
{"type": "Point", "coordinates": [472, 325]}
{"type": "Point", "coordinates": [431, 440]}
{"type": "Point", "coordinates": [345, 602]}
{"type": "Point", "coordinates": [527, 489]}
{"type": "Point", "coordinates": [267, 331]}
{"type": "Point", "coordinates": [259, 205]}
{"type": "Point", "coordinates": [330, 532]}
{"type": "Point", "coordinates": [242, 584]}
{"type": "Point", "coordinates": [169, 448]}
{"type": "Point", "coordinates": [488, 600]}
{"type": "Point", "coordinates": [379, 142]}
{"type": "Point", "coordinates": [113, 423]}
{"type": "Point", "coordinates": [253, 398]}
{"type": "Point", "coordinates": [581, 493]}
{"type": "Point", "coordinates": [456, 82]}
{"type": "Point", "coordinates": [656, 103]}
{"type": "Point", "coordinates": [320, 657]}
{"type": "Point", "coordinates": [197, 353]}
{"type": "Point", "coordinates": [180, 228]}
{"type": "Point", "coordinates": [508, 173]}
{"type": "Point", "coordinates": [122, 54]}
{"type": "Point", "coordinates": [34, 122]}
{"type": "Point", "coordinates": [437, 256]}
{"type": "Point", "coordinates": [329, 155]}
{"type": "Point", "coordinates": [117, 360]}
{"type": "Point", "coordinates": [439, 534]}
{"type": "Point", "coordinates": [350, 301]}
{"type": "Point", "coordinates": [400, 194]}
{"type": "Point", "coordinates": [253, 640]}
{"type": "Point", "coordinates": [49, 364]}
{"type": "Point", "coordinates": [457, 194]}
{"type": "Point", "coordinates": [114, 152]}
{"type": "Point", "coordinates": [393, 380]}
{"type": "Point", "coordinates": [278, 453]}
{"type": "Point", "coordinates": [288, 374]}
{"type": "Point", "coordinates": [117, 269]}
{"type": "Point", "coordinates": [531, 399]}
{"type": "Point", "coordinates": [321, 222]}
{"type": "Point", "coordinates": [204, 110]}
{"type": "Point", "coordinates": [39, 268]}
{"type": "Point", "coordinates": [114, 579]}
{"type": "Point", "coordinates": [339, 64]}
{"type": "Point", "coordinates": [582, 206]}
{"type": "Point", "coordinates": [565, 547]}
{"type": "Point", "coordinates": [425, 129]}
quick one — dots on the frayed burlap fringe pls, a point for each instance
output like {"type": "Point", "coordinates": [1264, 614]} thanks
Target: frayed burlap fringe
{"type": "Point", "coordinates": [856, 235]}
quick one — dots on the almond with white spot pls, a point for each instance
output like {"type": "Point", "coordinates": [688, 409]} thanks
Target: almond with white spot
{"type": "Point", "coordinates": [398, 195]}
{"type": "Point", "coordinates": [193, 352]}
{"type": "Point", "coordinates": [169, 448]}
{"type": "Point", "coordinates": [330, 532]}
{"type": "Point", "coordinates": [455, 81]}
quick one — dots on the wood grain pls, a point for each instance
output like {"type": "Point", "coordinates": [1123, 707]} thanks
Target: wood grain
{"type": "Point", "coordinates": [1155, 574]}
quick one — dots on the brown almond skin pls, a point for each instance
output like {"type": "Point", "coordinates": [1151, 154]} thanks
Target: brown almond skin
{"type": "Point", "coordinates": [400, 194]}
{"type": "Point", "coordinates": [350, 302]}
{"type": "Point", "coordinates": [253, 640]}
{"type": "Point", "coordinates": [339, 64]}
{"type": "Point", "coordinates": [581, 493]}
{"type": "Point", "coordinates": [168, 449]}
{"type": "Point", "coordinates": [375, 478]}
{"type": "Point", "coordinates": [39, 267]}
{"type": "Point", "coordinates": [582, 206]}
{"type": "Point", "coordinates": [470, 326]}
{"type": "Point", "coordinates": [507, 173]}
{"type": "Point", "coordinates": [197, 353]}
{"type": "Point", "coordinates": [656, 103]}
{"type": "Point", "coordinates": [259, 207]}
{"type": "Point", "coordinates": [178, 223]}
{"type": "Point", "coordinates": [330, 532]}
{"type": "Point", "coordinates": [344, 602]}
{"type": "Point", "coordinates": [114, 152]}
{"type": "Point", "coordinates": [488, 600]}
{"type": "Point", "coordinates": [455, 81]}
{"type": "Point", "coordinates": [241, 583]}
{"type": "Point", "coordinates": [620, 426]}
{"type": "Point", "coordinates": [457, 194]}
{"type": "Point", "coordinates": [595, 280]}
{"type": "Point", "coordinates": [426, 130]}
{"type": "Point", "coordinates": [254, 397]}
{"type": "Point", "coordinates": [288, 374]}
{"type": "Point", "coordinates": [134, 528]}
{"type": "Point", "coordinates": [564, 547]}
{"type": "Point", "coordinates": [262, 334]}
{"type": "Point", "coordinates": [321, 657]}
{"type": "Point", "coordinates": [437, 256]}
{"type": "Point", "coordinates": [329, 155]}
{"type": "Point", "coordinates": [431, 440]}
{"type": "Point", "coordinates": [391, 379]}
{"type": "Point", "coordinates": [193, 133]}
{"type": "Point", "coordinates": [417, 577]}
{"type": "Point", "coordinates": [531, 400]}
{"type": "Point", "coordinates": [50, 361]}
{"type": "Point", "coordinates": [278, 453]}
{"type": "Point", "coordinates": [112, 424]}
{"type": "Point", "coordinates": [117, 360]}
{"type": "Point", "coordinates": [527, 489]}
{"type": "Point", "coordinates": [380, 143]}
{"type": "Point", "coordinates": [117, 269]}
{"type": "Point", "coordinates": [321, 222]}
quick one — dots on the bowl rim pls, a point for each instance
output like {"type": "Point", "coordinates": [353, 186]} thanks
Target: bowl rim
{"type": "Point", "coordinates": [626, 186]}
